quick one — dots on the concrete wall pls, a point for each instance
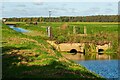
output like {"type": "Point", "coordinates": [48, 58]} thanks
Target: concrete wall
{"type": "Point", "coordinates": [69, 46]}
{"type": "Point", "coordinates": [104, 47]}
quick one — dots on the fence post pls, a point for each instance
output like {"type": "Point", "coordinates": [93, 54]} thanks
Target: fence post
{"type": "Point", "coordinates": [49, 32]}
{"type": "Point", "coordinates": [74, 30]}
{"type": "Point", "coordinates": [85, 31]}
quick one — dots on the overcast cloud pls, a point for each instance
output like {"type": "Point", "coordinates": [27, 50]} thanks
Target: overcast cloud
{"type": "Point", "coordinates": [38, 9]}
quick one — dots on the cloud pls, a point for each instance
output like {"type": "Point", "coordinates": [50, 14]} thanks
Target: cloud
{"type": "Point", "coordinates": [38, 3]}
{"type": "Point", "coordinates": [68, 10]}
{"type": "Point", "coordinates": [20, 10]}
{"type": "Point", "coordinates": [54, 11]}
{"type": "Point", "coordinates": [109, 10]}
{"type": "Point", "coordinates": [58, 9]}
{"type": "Point", "coordinates": [74, 10]}
{"type": "Point", "coordinates": [95, 9]}
{"type": "Point", "coordinates": [59, 0]}
{"type": "Point", "coordinates": [21, 5]}
{"type": "Point", "coordinates": [16, 12]}
{"type": "Point", "coordinates": [3, 7]}
{"type": "Point", "coordinates": [92, 11]}
{"type": "Point", "coordinates": [110, 4]}
{"type": "Point", "coordinates": [21, 0]}
{"type": "Point", "coordinates": [119, 8]}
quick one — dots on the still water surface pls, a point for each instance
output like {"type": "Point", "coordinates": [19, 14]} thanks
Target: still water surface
{"type": "Point", "coordinates": [105, 68]}
{"type": "Point", "coordinates": [18, 29]}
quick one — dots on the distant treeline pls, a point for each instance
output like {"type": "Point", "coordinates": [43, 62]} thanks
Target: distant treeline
{"type": "Point", "coordinates": [98, 18]}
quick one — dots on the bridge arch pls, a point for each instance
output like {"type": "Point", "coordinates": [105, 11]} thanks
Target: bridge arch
{"type": "Point", "coordinates": [73, 51]}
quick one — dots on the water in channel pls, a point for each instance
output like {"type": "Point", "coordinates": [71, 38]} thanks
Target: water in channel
{"type": "Point", "coordinates": [18, 29]}
{"type": "Point", "coordinates": [106, 68]}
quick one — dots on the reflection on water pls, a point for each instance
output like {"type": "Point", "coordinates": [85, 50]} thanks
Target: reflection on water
{"type": "Point", "coordinates": [105, 68]}
{"type": "Point", "coordinates": [81, 56]}
{"type": "Point", "coordinates": [18, 29]}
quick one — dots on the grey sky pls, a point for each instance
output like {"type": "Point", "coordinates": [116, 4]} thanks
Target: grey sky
{"type": "Point", "coordinates": [38, 9]}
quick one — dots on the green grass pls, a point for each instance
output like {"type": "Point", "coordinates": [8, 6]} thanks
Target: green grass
{"type": "Point", "coordinates": [92, 28]}
{"type": "Point", "coordinates": [97, 32]}
{"type": "Point", "coordinates": [27, 56]}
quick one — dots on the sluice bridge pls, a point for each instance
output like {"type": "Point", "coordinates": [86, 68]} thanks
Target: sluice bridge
{"type": "Point", "coordinates": [78, 47]}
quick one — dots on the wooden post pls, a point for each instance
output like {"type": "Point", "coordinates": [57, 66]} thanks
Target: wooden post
{"type": "Point", "coordinates": [51, 33]}
{"type": "Point", "coordinates": [74, 30]}
{"type": "Point", "coordinates": [85, 31]}
{"type": "Point", "coordinates": [48, 31]}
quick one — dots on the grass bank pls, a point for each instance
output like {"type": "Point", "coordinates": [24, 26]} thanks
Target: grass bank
{"type": "Point", "coordinates": [28, 56]}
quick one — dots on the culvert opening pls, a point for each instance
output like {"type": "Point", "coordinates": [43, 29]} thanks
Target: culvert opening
{"type": "Point", "coordinates": [73, 51]}
{"type": "Point", "coordinates": [84, 52]}
{"type": "Point", "coordinates": [100, 51]}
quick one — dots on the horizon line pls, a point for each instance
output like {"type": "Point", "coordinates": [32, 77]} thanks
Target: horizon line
{"type": "Point", "coordinates": [63, 16]}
